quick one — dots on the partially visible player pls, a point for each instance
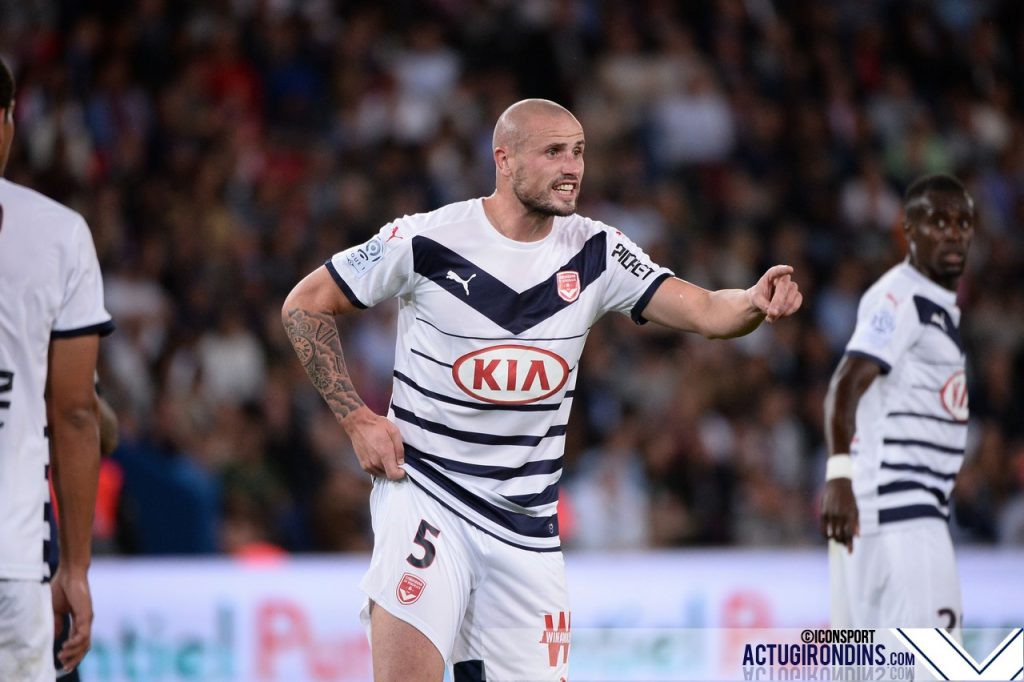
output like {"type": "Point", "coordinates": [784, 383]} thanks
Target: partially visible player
{"type": "Point", "coordinates": [896, 425]}
{"type": "Point", "coordinates": [496, 298]}
{"type": "Point", "coordinates": [51, 318]}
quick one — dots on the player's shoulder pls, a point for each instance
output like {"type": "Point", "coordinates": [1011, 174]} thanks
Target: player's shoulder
{"type": "Point", "coordinates": [457, 213]}
{"type": "Point", "coordinates": [578, 229]}
{"type": "Point", "coordinates": [894, 287]}
{"type": "Point", "coordinates": [25, 205]}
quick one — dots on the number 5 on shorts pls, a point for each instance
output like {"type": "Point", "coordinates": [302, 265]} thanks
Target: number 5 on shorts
{"type": "Point", "coordinates": [429, 551]}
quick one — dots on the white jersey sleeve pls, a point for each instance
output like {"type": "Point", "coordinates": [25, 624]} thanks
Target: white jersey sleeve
{"type": "Point", "coordinates": [633, 277]}
{"type": "Point", "coordinates": [887, 325]}
{"type": "Point", "coordinates": [379, 269]}
{"type": "Point", "coordinates": [82, 310]}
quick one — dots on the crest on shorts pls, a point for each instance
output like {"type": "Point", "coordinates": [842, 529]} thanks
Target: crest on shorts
{"type": "Point", "coordinates": [568, 283]}
{"type": "Point", "coordinates": [410, 588]}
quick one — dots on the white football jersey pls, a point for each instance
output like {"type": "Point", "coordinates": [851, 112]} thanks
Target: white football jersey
{"type": "Point", "coordinates": [50, 287]}
{"type": "Point", "coordinates": [490, 332]}
{"type": "Point", "coordinates": [912, 420]}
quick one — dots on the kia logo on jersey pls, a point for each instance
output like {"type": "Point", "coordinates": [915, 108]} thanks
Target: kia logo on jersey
{"type": "Point", "coordinates": [953, 395]}
{"type": "Point", "coordinates": [510, 374]}
{"type": "Point", "coordinates": [568, 282]}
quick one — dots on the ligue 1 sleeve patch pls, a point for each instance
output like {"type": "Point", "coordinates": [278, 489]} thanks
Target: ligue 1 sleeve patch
{"type": "Point", "coordinates": [881, 327]}
{"type": "Point", "coordinates": [362, 258]}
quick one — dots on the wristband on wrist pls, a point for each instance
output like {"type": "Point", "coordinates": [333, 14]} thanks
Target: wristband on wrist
{"type": "Point", "coordinates": [838, 466]}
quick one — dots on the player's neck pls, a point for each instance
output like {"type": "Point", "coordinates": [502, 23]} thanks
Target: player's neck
{"type": "Point", "coordinates": [514, 221]}
{"type": "Point", "coordinates": [950, 282]}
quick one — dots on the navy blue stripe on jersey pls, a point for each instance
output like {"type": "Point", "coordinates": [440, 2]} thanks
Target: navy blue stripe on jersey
{"type": "Point", "coordinates": [637, 312]}
{"type": "Point", "coordinates": [103, 329]}
{"type": "Point", "coordinates": [542, 407]}
{"type": "Point", "coordinates": [934, 315]}
{"type": "Point", "coordinates": [910, 511]}
{"type": "Point", "coordinates": [902, 486]}
{"type": "Point", "coordinates": [343, 285]}
{"type": "Point", "coordinates": [474, 436]}
{"type": "Point", "coordinates": [932, 417]}
{"type": "Point", "coordinates": [536, 468]}
{"type": "Point", "coordinates": [476, 525]}
{"type": "Point", "coordinates": [529, 526]}
{"type": "Point", "coordinates": [494, 299]}
{"type": "Point", "coordinates": [886, 367]}
{"type": "Point", "coordinates": [427, 357]}
{"type": "Point", "coordinates": [546, 496]}
{"type": "Point", "coordinates": [504, 338]}
{"type": "Point", "coordinates": [918, 468]}
{"type": "Point", "coordinates": [469, 671]}
{"type": "Point", "coordinates": [907, 442]}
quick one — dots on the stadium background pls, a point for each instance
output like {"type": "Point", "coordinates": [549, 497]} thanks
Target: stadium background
{"type": "Point", "coordinates": [220, 150]}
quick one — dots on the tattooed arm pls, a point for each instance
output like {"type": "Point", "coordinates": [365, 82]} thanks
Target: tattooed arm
{"type": "Point", "coordinates": [308, 317]}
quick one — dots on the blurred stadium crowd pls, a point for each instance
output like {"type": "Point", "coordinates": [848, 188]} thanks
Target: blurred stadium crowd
{"type": "Point", "coordinates": [220, 150]}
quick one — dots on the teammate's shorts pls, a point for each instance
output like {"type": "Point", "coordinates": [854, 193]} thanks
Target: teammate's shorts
{"type": "Point", "coordinates": [26, 631]}
{"type": "Point", "coordinates": [904, 577]}
{"type": "Point", "coordinates": [493, 611]}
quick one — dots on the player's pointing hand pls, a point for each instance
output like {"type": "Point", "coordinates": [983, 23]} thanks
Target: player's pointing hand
{"type": "Point", "coordinates": [776, 294]}
{"type": "Point", "coordinates": [377, 443]}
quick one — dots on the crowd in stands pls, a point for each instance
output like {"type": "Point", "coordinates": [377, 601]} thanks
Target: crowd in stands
{"type": "Point", "coordinates": [222, 149]}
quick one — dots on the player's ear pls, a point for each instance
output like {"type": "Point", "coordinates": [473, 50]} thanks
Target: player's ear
{"type": "Point", "coordinates": [502, 161]}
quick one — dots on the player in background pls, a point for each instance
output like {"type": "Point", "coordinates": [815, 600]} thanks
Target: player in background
{"type": "Point", "coordinates": [496, 298]}
{"type": "Point", "coordinates": [896, 426]}
{"type": "Point", "coordinates": [51, 318]}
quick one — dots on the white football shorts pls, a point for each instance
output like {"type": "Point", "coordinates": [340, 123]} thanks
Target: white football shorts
{"type": "Point", "coordinates": [26, 631]}
{"type": "Point", "coordinates": [494, 611]}
{"type": "Point", "coordinates": [903, 577]}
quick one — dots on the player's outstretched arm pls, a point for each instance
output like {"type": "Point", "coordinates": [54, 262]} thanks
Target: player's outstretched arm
{"type": "Point", "coordinates": [725, 313]}
{"type": "Point", "coordinates": [75, 445]}
{"type": "Point", "coordinates": [839, 515]}
{"type": "Point", "coordinates": [308, 317]}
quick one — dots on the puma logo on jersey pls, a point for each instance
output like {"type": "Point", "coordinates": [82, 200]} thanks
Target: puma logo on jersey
{"type": "Point", "coordinates": [940, 321]}
{"type": "Point", "coordinates": [464, 282]}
